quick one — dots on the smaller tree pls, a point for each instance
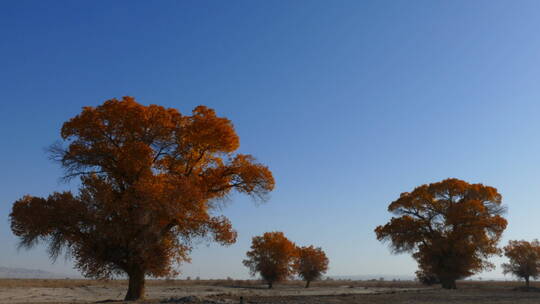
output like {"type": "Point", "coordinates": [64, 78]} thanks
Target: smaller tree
{"type": "Point", "coordinates": [272, 256]}
{"type": "Point", "coordinates": [310, 263]}
{"type": "Point", "coordinates": [524, 259]}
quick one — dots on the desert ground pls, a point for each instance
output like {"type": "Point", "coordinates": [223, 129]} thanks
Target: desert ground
{"type": "Point", "coordinates": [231, 291]}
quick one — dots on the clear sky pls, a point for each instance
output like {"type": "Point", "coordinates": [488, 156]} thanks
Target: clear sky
{"type": "Point", "coordinates": [349, 103]}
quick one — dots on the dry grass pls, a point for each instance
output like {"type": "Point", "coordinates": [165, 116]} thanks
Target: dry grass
{"type": "Point", "coordinates": [473, 292]}
{"type": "Point", "coordinates": [425, 296]}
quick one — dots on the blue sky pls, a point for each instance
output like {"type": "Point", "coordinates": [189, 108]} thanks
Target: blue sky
{"type": "Point", "coordinates": [349, 103]}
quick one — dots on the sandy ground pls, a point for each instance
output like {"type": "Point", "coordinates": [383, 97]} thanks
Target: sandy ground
{"type": "Point", "coordinates": [67, 291]}
{"type": "Point", "coordinates": [87, 294]}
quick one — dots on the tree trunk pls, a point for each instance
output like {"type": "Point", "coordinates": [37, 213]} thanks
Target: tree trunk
{"type": "Point", "coordinates": [136, 286]}
{"type": "Point", "coordinates": [527, 282]}
{"type": "Point", "coordinates": [269, 285]}
{"type": "Point", "coordinates": [448, 283]}
{"type": "Point", "coordinates": [307, 284]}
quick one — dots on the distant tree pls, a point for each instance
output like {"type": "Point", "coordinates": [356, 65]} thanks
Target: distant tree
{"type": "Point", "coordinates": [272, 256]}
{"type": "Point", "coordinates": [451, 227]}
{"type": "Point", "coordinates": [310, 263]}
{"type": "Point", "coordinates": [524, 259]}
{"type": "Point", "coordinates": [151, 180]}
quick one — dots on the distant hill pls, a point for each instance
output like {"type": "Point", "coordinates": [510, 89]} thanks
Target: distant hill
{"type": "Point", "coordinates": [23, 273]}
{"type": "Point", "coordinates": [391, 277]}
{"type": "Point", "coordinates": [366, 277]}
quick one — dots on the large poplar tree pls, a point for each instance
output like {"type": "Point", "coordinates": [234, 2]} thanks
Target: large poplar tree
{"type": "Point", "coordinates": [451, 228]}
{"type": "Point", "coordinates": [151, 182]}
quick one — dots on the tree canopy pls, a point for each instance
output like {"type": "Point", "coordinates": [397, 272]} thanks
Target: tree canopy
{"type": "Point", "coordinates": [151, 182]}
{"type": "Point", "coordinates": [451, 228]}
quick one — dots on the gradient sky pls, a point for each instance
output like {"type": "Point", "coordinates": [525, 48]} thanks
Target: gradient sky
{"type": "Point", "coordinates": [349, 103]}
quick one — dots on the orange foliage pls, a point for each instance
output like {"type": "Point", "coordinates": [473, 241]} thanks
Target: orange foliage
{"type": "Point", "coordinates": [451, 227]}
{"type": "Point", "coordinates": [272, 256]}
{"type": "Point", "coordinates": [151, 179]}
{"type": "Point", "coordinates": [310, 263]}
{"type": "Point", "coordinates": [524, 259]}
